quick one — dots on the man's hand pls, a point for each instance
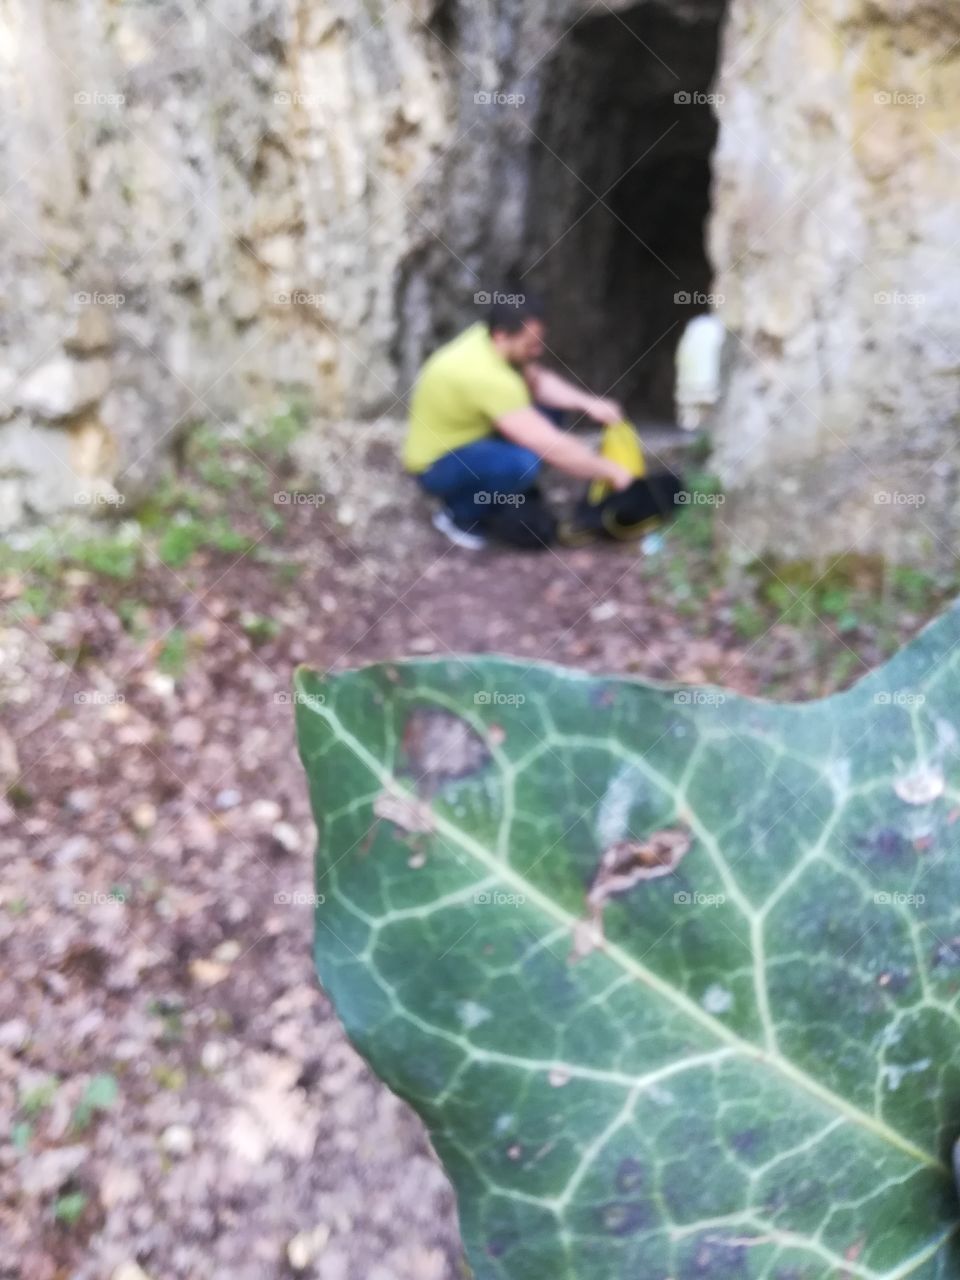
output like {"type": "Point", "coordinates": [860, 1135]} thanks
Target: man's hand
{"type": "Point", "coordinates": [619, 478]}
{"type": "Point", "coordinates": [603, 411]}
{"type": "Point", "coordinates": [533, 431]}
{"type": "Point", "coordinates": [554, 392]}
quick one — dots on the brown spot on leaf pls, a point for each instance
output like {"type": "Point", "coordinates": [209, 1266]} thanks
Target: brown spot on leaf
{"type": "Point", "coordinates": [439, 747]}
{"type": "Point", "coordinates": [628, 862]}
{"type": "Point", "coordinates": [624, 865]}
{"type": "Point", "coordinates": [404, 811]}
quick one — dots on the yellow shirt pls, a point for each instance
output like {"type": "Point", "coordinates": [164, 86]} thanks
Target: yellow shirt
{"type": "Point", "coordinates": [462, 390]}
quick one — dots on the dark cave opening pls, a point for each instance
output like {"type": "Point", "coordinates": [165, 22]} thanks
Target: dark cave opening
{"type": "Point", "coordinates": [619, 196]}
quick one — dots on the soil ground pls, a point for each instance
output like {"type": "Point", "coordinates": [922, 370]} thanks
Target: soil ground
{"type": "Point", "coordinates": [179, 1100]}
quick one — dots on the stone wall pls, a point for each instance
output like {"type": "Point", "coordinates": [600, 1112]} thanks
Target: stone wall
{"type": "Point", "coordinates": [204, 207]}
{"type": "Point", "coordinates": [835, 234]}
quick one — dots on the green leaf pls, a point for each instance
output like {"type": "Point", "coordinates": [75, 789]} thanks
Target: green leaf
{"type": "Point", "coordinates": [755, 1071]}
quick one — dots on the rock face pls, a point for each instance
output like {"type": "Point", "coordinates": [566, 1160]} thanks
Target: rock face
{"type": "Point", "coordinates": [204, 209]}
{"type": "Point", "coordinates": [210, 207]}
{"type": "Point", "coordinates": [837, 205]}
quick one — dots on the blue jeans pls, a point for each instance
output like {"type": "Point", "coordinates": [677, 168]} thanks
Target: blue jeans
{"type": "Point", "coordinates": [469, 478]}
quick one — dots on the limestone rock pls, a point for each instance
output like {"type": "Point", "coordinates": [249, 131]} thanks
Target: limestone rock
{"type": "Point", "coordinates": [63, 388]}
{"type": "Point", "coordinates": [835, 241]}
{"type": "Point", "coordinates": [90, 332]}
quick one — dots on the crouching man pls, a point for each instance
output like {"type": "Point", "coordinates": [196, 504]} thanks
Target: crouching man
{"type": "Point", "coordinates": [479, 435]}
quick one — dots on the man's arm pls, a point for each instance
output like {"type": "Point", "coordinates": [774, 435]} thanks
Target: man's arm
{"type": "Point", "coordinates": [554, 392]}
{"type": "Point", "coordinates": [532, 430]}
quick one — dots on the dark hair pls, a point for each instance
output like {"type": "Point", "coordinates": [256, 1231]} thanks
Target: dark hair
{"type": "Point", "coordinates": [510, 311]}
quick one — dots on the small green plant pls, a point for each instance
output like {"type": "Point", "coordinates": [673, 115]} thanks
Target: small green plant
{"type": "Point", "coordinates": [68, 1209]}
{"type": "Point", "coordinates": [187, 535]}
{"type": "Point", "coordinates": [36, 1100]}
{"type": "Point", "coordinates": [132, 617]}
{"type": "Point", "coordinates": [259, 629]}
{"type": "Point", "coordinates": [99, 1095]}
{"type": "Point", "coordinates": [749, 621]}
{"type": "Point", "coordinates": [169, 1077]}
{"type": "Point", "coordinates": [170, 1014]}
{"type": "Point", "coordinates": [20, 1135]}
{"type": "Point", "coordinates": [172, 658]}
{"type": "Point", "coordinates": [117, 556]}
{"type": "Point", "coordinates": [278, 433]}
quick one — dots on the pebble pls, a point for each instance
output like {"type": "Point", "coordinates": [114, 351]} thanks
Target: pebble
{"type": "Point", "coordinates": [228, 799]}
{"type": "Point", "coordinates": [304, 1248]}
{"type": "Point", "coordinates": [208, 973]}
{"type": "Point", "coordinates": [81, 801]}
{"type": "Point", "coordinates": [287, 836]}
{"type": "Point", "coordinates": [213, 1055]}
{"type": "Point", "coordinates": [188, 732]}
{"type": "Point", "coordinates": [129, 1271]}
{"type": "Point", "coordinates": [144, 816]}
{"type": "Point", "coordinates": [160, 683]}
{"type": "Point", "coordinates": [265, 811]}
{"type": "Point", "coordinates": [14, 1034]}
{"type": "Point", "coordinates": [119, 1185]}
{"type": "Point", "coordinates": [177, 1140]}
{"type": "Point", "coordinates": [73, 849]}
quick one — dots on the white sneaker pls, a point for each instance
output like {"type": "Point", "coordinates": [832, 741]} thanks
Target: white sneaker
{"type": "Point", "coordinates": [445, 523]}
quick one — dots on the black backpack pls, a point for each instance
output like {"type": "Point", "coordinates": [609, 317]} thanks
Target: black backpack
{"type": "Point", "coordinates": [625, 516]}
{"type": "Point", "coordinates": [528, 525]}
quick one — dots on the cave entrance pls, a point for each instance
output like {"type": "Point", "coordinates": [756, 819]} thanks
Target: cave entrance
{"type": "Point", "coordinates": [619, 196]}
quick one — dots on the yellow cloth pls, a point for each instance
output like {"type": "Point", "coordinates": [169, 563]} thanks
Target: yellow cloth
{"type": "Point", "coordinates": [620, 444]}
{"type": "Point", "coordinates": [461, 392]}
